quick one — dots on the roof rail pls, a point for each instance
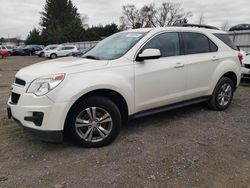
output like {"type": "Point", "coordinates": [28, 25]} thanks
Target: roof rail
{"type": "Point", "coordinates": [196, 25]}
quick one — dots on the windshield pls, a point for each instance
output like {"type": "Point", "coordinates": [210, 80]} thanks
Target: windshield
{"type": "Point", "coordinates": [114, 46]}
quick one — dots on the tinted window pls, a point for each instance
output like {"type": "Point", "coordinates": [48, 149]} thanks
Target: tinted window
{"type": "Point", "coordinates": [195, 43]}
{"type": "Point", "coordinates": [226, 39]}
{"type": "Point", "coordinates": [69, 48]}
{"type": "Point", "coordinates": [167, 43]}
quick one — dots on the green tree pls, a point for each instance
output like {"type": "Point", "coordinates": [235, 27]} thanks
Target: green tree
{"type": "Point", "coordinates": [60, 22]}
{"type": "Point", "coordinates": [34, 37]}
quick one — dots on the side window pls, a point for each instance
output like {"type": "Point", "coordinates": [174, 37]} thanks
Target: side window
{"type": "Point", "coordinates": [213, 47]}
{"type": "Point", "coordinates": [167, 43]}
{"type": "Point", "coordinates": [195, 43]}
{"type": "Point", "coordinates": [69, 48]}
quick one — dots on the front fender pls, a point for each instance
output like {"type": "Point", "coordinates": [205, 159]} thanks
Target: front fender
{"type": "Point", "coordinates": [78, 84]}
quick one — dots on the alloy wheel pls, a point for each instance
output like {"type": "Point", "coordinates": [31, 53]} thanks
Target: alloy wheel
{"type": "Point", "coordinates": [225, 94]}
{"type": "Point", "coordinates": [93, 124]}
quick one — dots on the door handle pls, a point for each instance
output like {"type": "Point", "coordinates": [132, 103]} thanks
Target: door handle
{"type": "Point", "coordinates": [179, 65]}
{"type": "Point", "coordinates": [215, 59]}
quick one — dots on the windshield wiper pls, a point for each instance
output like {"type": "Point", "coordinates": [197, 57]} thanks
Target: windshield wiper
{"type": "Point", "coordinates": [92, 57]}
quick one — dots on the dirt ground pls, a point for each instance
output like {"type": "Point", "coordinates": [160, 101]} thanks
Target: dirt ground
{"type": "Point", "coordinates": [188, 147]}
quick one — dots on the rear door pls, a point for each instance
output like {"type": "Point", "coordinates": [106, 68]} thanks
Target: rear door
{"type": "Point", "coordinates": [68, 49]}
{"type": "Point", "coordinates": [201, 59]}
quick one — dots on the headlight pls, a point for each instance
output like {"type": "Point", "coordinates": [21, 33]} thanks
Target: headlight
{"type": "Point", "coordinates": [42, 86]}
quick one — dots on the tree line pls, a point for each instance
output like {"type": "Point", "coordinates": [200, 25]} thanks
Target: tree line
{"type": "Point", "coordinates": [60, 22]}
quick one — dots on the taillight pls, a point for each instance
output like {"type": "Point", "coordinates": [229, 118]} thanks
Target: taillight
{"type": "Point", "coordinates": [240, 56]}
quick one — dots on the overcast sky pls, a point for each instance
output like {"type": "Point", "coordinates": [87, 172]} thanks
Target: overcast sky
{"type": "Point", "coordinates": [18, 17]}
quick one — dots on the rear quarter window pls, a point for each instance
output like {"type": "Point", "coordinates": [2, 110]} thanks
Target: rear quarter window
{"type": "Point", "coordinates": [196, 43]}
{"type": "Point", "coordinates": [226, 39]}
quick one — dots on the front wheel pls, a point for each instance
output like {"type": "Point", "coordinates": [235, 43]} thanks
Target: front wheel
{"type": "Point", "coordinates": [94, 122]}
{"type": "Point", "coordinates": [222, 95]}
{"type": "Point", "coordinates": [41, 54]}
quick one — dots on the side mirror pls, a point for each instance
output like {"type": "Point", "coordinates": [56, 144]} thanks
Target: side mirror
{"type": "Point", "coordinates": [149, 54]}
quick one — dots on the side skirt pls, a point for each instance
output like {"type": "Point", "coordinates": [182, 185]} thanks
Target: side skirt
{"type": "Point", "coordinates": [169, 107]}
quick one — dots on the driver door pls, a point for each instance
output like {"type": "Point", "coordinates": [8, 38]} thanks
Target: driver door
{"type": "Point", "coordinates": [160, 81]}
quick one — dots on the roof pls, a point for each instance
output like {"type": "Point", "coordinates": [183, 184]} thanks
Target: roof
{"type": "Point", "coordinates": [174, 28]}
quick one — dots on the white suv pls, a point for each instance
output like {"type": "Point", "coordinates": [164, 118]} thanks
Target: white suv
{"type": "Point", "coordinates": [60, 51]}
{"type": "Point", "coordinates": [41, 53]}
{"type": "Point", "coordinates": [128, 75]}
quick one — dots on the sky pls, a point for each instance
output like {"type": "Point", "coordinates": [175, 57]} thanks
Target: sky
{"type": "Point", "coordinates": [18, 17]}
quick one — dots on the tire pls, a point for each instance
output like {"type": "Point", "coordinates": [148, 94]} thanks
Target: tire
{"type": "Point", "coordinates": [222, 95]}
{"type": "Point", "coordinates": [53, 56]}
{"type": "Point", "coordinates": [1, 56]}
{"type": "Point", "coordinates": [94, 131]}
{"type": "Point", "coordinates": [41, 54]}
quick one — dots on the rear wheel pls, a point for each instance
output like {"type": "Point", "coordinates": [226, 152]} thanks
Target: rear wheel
{"type": "Point", "coordinates": [94, 122]}
{"type": "Point", "coordinates": [1, 56]}
{"type": "Point", "coordinates": [222, 95]}
{"type": "Point", "coordinates": [53, 56]}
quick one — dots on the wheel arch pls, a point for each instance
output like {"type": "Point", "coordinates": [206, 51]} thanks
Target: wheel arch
{"type": "Point", "coordinates": [114, 96]}
{"type": "Point", "coordinates": [232, 76]}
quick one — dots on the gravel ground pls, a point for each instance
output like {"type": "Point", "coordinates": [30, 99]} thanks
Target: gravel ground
{"type": "Point", "coordinates": [188, 147]}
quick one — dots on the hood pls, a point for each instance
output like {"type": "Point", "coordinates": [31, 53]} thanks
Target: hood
{"type": "Point", "coordinates": [65, 65]}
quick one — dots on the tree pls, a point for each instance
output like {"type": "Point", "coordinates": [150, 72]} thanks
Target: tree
{"type": "Point", "coordinates": [166, 14]}
{"type": "Point", "coordinates": [1, 40]}
{"type": "Point", "coordinates": [33, 37]}
{"type": "Point", "coordinates": [201, 20]}
{"type": "Point", "coordinates": [225, 26]}
{"type": "Point", "coordinates": [99, 32]}
{"type": "Point", "coordinates": [60, 22]}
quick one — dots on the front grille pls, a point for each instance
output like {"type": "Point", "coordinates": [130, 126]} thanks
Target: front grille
{"type": "Point", "coordinates": [20, 82]}
{"type": "Point", "coordinates": [14, 98]}
{"type": "Point", "coordinates": [247, 66]}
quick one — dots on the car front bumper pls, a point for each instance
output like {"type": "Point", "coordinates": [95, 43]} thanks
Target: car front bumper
{"type": "Point", "coordinates": [40, 115]}
{"type": "Point", "coordinates": [46, 55]}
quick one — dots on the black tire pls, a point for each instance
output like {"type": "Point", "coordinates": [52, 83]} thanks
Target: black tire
{"type": "Point", "coordinates": [1, 56]}
{"type": "Point", "coordinates": [53, 56]}
{"type": "Point", "coordinates": [41, 54]}
{"type": "Point", "coordinates": [100, 103]}
{"type": "Point", "coordinates": [214, 101]}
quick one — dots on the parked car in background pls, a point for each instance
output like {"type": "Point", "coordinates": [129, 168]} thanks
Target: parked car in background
{"type": "Point", "coordinates": [41, 53]}
{"type": "Point", "coordinates": [240, 27]}
{"type": "Point", "coordinates": [3, 53]}
{"type": "Point", "coordinates": [245, 69]}
{"type": "Point", "coordinates": [6, 48]}
{"type": "Point", "coordinates": [128, 75]}
{"type": "Point", "coordinates": [31, 49]}
{"type": "Point", "coordinates": [61, 51]}
{"type": "Point", "coordinates": [18, 51]}
{"type": "Point", "coordinates": [27, 50]}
